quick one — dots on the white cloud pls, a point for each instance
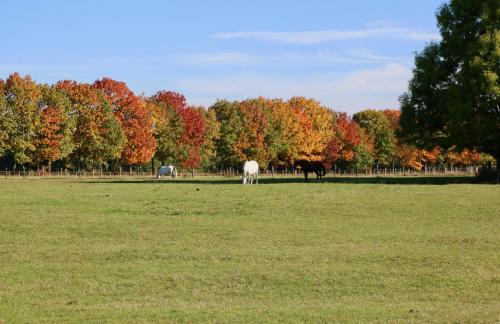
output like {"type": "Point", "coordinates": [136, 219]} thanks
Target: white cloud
{"type": "Point", "coordinates": [321, 36]}
{"type": "Point", "coordinates": [374, 88]}
{"type": "Point", "coordinates": [356, 56]}
{"type": "Point", "coordinates": [360, 56]}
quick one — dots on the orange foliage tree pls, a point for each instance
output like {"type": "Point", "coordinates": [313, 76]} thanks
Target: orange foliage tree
{"type": "Point", "coordinates": [135, 120]}
{"type": "Point", "coordinates": [317, 128]}
{"type": "Point", "coordinates": [251, 144]}
{"type": "Point", "coordinates": [54, 140]}
{"type": "Point", "coordinates": [465, 158]}
{"type": "Point", "coordinates": [342, 145]}
{"type": "Point", "coordinates": [284, 134]}
{"type": "Point", "coordinates": [98, 137]}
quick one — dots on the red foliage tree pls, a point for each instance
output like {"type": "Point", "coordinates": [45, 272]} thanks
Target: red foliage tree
{"type": "Point", "coordinates": [393, 116]}
{"type": "Point", "coordinates": [193, 136]}
{"type": "Point", "coordinates": [135, 120]}
{"type": "Point", "coordinates": [346, 138]}
{"type": "Point", "coordinates": [186, 140]}
{"type": "Point", "coordinates": [49, 138]}
{"type": "Point", "coordinates": [252, 145]}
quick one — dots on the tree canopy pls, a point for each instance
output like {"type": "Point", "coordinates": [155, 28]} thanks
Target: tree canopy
{"type": "Point", "coordinates": [104, 124]}
{"type": "Point", "coordinates": [453, 99]}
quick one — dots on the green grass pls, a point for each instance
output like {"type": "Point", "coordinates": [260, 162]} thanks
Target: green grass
{"type": "Point", "coordinates": [384, 250]}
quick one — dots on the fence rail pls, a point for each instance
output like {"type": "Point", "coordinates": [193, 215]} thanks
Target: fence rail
{"type": "Point", "coordinates": [192, 173]}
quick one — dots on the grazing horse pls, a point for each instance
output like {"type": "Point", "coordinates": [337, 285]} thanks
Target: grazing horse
{"type": "Point", "coordinates": [168, 170]}
{"type": "Point", "coordinates": [312, 166]}
{"type": "Point", "coordinates": [250, 172]}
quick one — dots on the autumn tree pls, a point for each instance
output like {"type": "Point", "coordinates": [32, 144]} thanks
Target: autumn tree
{"type": "Point", "coordinates": [167, 129]}
{"type": "Point", "coordinates": [393, 116]}
{"type": "Point", "coordinates": [135, 121]}
{"type": "Point", "coordinates": [22, 96]}
{"type": "Point", "coordinates": [284, 134]}
{"type": "Point", "coordinates": [341, 146]}
{"type": "Point", "coordinates": [251, 144]}
{"type": "Point", "coordinates": [317, 127]}
{"type": "Point", "coordinates": [54, 135]}
{"type": "Point", "coordinates": [98, 136]}
{"type": "Point", "coordinates": [465, 157]}
{"type": "Point", "coordinates": [179, 130]}
{"type": "Point", "coordinates": [193, 137]}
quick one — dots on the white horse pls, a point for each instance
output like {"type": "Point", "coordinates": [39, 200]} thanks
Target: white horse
{"type": "Point", "coordinates": [168, 170]}
{"type": "Point", "coordinates": [250, 172]}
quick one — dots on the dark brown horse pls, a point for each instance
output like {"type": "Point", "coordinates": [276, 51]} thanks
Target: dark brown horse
{"type": "Point", "coordinates": [311, 166]}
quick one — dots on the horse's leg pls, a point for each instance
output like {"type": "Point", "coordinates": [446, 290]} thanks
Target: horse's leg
{"type": "Point", "coordinates": [305, 176]}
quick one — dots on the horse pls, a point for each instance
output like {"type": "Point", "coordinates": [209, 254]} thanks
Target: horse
{"type": "Point", "coordinates": [311, 166]}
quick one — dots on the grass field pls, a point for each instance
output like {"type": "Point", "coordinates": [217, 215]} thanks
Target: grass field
{"type": "Point", "coordinates": [383, 250]}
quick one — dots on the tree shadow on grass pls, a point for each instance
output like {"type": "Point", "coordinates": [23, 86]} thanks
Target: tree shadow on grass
{"type": "Point", "coordinates": [405, 180]}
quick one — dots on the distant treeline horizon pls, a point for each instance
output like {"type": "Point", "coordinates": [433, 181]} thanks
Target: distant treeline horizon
{"type": "Point", "coordinates": [105, 125]}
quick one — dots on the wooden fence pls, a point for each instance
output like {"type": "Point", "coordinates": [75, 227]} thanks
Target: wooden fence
{"type": "Point", "coordinates": [193, 173]}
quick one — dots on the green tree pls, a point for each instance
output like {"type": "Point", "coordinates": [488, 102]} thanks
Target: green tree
{"type": "Point", "coordinates": [454, 95]}
{"type": "Point", "coordinates": [168, 126]}
{"type": "Point", "coordinates": [362, 157]}
{"type": "Point", "coordinates": [379, 132]}
{"type": "Point", "coordinates": [22, 97]}
{"type": "Point", "coordinates": [231, 129]}
{"type": "Point", "coordinates": [212, 133]}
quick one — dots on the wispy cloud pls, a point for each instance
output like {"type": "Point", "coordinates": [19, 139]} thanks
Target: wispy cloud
{"type": "Point", "coordinates": [377, 87]}
{"type": "Point", "coordinates": [354, 57]}
{"type": "Point", "coordinates": [321, 36]}
{"type": "Point", "coordinates": [360, 56]}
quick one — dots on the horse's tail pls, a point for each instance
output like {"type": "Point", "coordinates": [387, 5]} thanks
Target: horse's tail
{"type": "Point", "coordinates": [323, 170]}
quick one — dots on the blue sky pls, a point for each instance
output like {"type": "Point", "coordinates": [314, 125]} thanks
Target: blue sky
{"type": "Point", "coordinates": [349, 55]}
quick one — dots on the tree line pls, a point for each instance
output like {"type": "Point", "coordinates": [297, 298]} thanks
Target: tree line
{"type": "Point", "coordinates": [105, 125]}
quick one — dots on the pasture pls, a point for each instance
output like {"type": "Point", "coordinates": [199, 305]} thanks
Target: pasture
{"type": "Point", "coordinates": [350, 250]}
